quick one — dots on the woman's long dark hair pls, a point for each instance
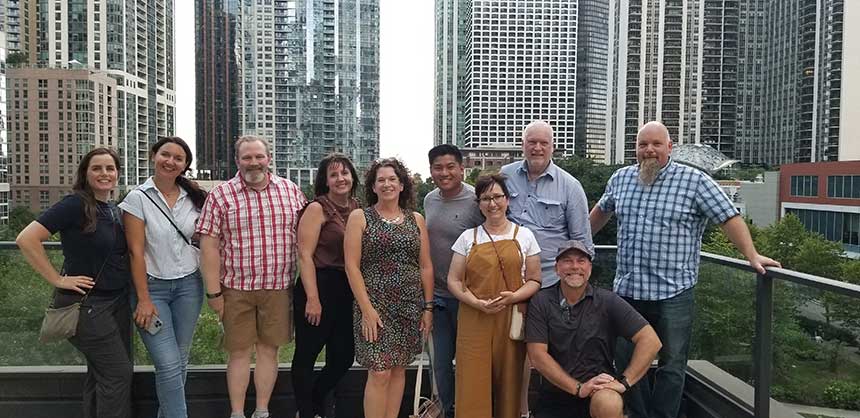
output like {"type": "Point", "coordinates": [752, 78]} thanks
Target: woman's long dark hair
{"type": "Point", "coordinates": [85, 192]}
{"type": "Point", "coordinates": [197, 195]}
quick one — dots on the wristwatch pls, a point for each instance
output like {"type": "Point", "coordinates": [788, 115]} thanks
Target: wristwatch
{"type": "Point", "coordinates": [578, 388]}
{"type": "Point", "coordinates": [623, 380]}
{"type": "Point", "coordinates": [214, 295]}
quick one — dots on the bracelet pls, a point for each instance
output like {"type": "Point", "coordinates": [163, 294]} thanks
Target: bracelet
{"type": "Point", "coordinates": [428, 309]}
{"type": "Point", "coordinates": [578, 388]}
{"type": "Point", "coordinates": [214, 295]}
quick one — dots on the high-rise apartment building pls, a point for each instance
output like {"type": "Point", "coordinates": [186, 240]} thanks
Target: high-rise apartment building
{"type": "Point", "coordinates": [307, 78]}
{"type": "Point", "coordinates": [217, 111]}
{"type": "Point", "coordinates": [674, 61]}
{"type": "Point", "coordinates": [592, 86]}
{"type": "Point", "coordinates": [132, 42]}
{"type": "Point", "coordinates": [505, 63]}
{"type": "Point", "coordinates": [453, 22]}
{"type": "Point", "coordinates": [4, 181]}
{"type": "Point", "coordinates": [55, 116]}
{"type": "Point", "coordinates": [801, 82]}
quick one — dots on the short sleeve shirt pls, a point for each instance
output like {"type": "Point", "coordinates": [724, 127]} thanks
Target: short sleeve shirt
{"type": "Point", "coordinates": [553, 206]}
{"type": "Point", "coordinates": [101, 254]}
{"type": "Point", "coordinates": [257, 230]}
{"type": "Point", "coordinates": [581, 341]}
{"type": "Point", "coordinates": [525, 237]}
{"type": "Point", "coordinates": [167, 254]}
{"type": "Point", "coordinates": [446, 220]}
{"type": "Point", "coordinates": [660, 228]}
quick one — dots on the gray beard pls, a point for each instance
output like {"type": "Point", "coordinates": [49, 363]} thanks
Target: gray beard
{"type": "Point", "coordinates": [649, 168]}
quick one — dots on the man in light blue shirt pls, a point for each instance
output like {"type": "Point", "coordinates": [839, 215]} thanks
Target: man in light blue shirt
{"type": "Point", "coordinates": [546, 199]}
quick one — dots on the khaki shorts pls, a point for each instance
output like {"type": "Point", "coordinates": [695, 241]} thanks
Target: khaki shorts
{"type": "Point", "coordinates": [257, 315]}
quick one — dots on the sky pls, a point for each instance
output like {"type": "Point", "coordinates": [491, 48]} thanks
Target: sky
{"type": "Point", "coordinates": [406, 78]}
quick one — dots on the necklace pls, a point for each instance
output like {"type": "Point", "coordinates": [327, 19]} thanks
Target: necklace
{"type": "Point", "coordinates": [395, 220]}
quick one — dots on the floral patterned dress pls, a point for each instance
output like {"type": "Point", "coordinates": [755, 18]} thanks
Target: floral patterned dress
{"type": "Point", "coordinates": [392, 276]}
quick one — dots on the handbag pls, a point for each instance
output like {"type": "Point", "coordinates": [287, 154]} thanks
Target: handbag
{"type": "Point", "coordinates": [517, 331]}
{"type": "Point", "coordinates": [170, 219]}
{"type": "Point", "coordinates": [426, 407]}
{"type": "Point", "coordinates": [62, 323]}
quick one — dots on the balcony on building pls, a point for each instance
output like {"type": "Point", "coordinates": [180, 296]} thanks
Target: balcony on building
{"type": "Point", "coordinates": [726, 377]}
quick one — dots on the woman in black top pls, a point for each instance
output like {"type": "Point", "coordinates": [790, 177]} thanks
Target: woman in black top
{"type": "Point", "coordinates": [95, 262]}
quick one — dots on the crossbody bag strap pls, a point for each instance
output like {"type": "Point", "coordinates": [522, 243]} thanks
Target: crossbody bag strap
{"type": "Point", "coordinates": [169, 218]}
{"type": "Point", "coordinates": [114, 221]}
{"type": "Point", "coordinates": [498, 256]}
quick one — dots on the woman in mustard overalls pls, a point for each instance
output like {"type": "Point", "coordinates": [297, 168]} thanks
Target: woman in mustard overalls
{"type": "Point", "coordinates": [495, 269]}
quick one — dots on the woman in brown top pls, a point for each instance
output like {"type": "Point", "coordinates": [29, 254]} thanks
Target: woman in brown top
{"type": "Point", "coordinates": [322, 298]}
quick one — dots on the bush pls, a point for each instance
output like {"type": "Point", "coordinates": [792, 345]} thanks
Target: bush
{"type": "Point", "coordinates": [843, 394]}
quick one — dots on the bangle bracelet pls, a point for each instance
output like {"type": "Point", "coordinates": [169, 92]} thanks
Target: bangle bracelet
{"type": "Point", "coordinates": [578, 388]}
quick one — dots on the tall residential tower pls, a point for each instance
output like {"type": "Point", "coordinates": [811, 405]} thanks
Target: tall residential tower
{"type": "Point", "coordinates": [500, 65]}
{"type": "Point", "coordinates": [306, 78]}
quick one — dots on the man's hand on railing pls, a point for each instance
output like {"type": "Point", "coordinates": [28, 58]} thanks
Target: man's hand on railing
{"type": "Point", "coordinates": [759, 262]}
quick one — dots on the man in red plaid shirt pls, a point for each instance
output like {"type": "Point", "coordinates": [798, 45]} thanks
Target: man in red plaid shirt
{"type": "Point", "coordinates": [248, 260]}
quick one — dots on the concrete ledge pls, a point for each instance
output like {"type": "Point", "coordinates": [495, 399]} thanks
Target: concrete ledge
{"type": "Point", "coordinates": [707, 383]}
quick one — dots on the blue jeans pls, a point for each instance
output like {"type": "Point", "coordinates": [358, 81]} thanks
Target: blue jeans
{"type": "Point", "coordinates": [444, 348]}
{"type": "Point", "coordinates": [178, 303]}
{"type": "Point", "coordinates": [672, 319]}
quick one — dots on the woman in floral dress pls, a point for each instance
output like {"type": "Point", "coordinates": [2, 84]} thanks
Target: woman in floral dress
{"type": "Point", "coordinates": [387, 257]}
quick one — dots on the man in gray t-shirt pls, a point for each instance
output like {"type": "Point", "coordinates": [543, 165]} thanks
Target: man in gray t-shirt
{"type": "Point", "coordinates": [449, 209]}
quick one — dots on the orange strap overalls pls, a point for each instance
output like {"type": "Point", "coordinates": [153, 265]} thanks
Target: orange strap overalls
{"type": "Point", "coordinates": [489, 371]}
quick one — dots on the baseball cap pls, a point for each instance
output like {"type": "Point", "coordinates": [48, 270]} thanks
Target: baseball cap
{"type": "Point", "coordinates": [574, 245]}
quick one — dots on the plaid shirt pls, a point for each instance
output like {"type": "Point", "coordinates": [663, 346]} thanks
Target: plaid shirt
{"type": "Point", "coordinates": [660, 228]}
{"type": "Point", "coordinates": [257, 231]}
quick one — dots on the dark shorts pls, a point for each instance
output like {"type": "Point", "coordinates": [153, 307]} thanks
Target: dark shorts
{"type": "Point", "coordinates": [555, 404]}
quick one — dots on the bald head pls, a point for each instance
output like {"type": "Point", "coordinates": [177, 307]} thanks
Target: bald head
{"type": "Point", "coordinates": [654, 128]}
{"type": "Point", "coordinates": [653, 141]}
{"type": "Point", "coordinates": [537, 146]}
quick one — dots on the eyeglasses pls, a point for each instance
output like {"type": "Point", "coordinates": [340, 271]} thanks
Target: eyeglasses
{"type": "Point", "coordinates": [497, 199]}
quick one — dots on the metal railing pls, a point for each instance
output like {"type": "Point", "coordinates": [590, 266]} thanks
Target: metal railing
{"type": "Point", "coordinates": [763, 340]}
{"type": "Point", "coordinates": [764, 304]}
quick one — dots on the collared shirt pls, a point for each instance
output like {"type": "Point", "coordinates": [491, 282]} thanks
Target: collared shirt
{"type": "Point", "coordinates": [257, 231]}
{"type": "Point", "coordinates": [581, 337]}
{"type": "Point", "coordinates": [446, 220]}
{"type": "Point", "coordinates": [166, 253]}
{"type": "Point", "coordinates": [553, 207]}
{"type": "Point", "coordinates": [660, 228]}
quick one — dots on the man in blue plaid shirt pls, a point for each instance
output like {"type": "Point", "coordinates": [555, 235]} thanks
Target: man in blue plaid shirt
{"type": "Point", "coordinates": [662, 209]}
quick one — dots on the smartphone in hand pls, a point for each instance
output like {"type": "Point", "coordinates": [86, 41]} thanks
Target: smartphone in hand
{"type": "Point", "coordinates": [154, 325]}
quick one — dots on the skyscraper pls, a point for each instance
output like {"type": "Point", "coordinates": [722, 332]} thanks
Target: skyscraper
{"type": "Point", "coordinates": [217, 64]}
{"type": "Point", "coordinates": [132, 41]}
{"type": "Point", "coordinates": [800, 84]}
{"type": "Point", "coordinates": [505, 63]}
{"type": "Point", "coordinates": [592, 85]}
{"type": "Point", "coordinates": [307, 78]}
{"type": "Point", "coordinates": [452, 25]}
{"type": "Point", "coordinates": [4, 181]}
{"type": "Point", "coordinates": [674, 61]}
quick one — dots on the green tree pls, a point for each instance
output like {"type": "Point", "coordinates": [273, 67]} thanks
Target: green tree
{"type": "Point", "coordinates": [422, 187]}
{"type": "Point", "coordinates": [593, 177]}
{"type": "Point", "coordinates": [844, 308]}
{"type": "Point", "coordinates": [17, 59]}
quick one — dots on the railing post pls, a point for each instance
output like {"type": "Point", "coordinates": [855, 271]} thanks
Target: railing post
{"type": "Point", "coordinates": [763, 344]}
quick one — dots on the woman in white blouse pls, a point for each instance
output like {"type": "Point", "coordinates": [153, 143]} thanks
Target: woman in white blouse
{"type": "Point", "coordinates": [159, 218]}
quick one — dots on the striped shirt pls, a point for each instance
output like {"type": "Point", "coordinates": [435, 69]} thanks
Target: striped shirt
{"type": "Point", "coordinates": [660, 228]}
{"type": "Point", "coordinates": [257, 231]}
